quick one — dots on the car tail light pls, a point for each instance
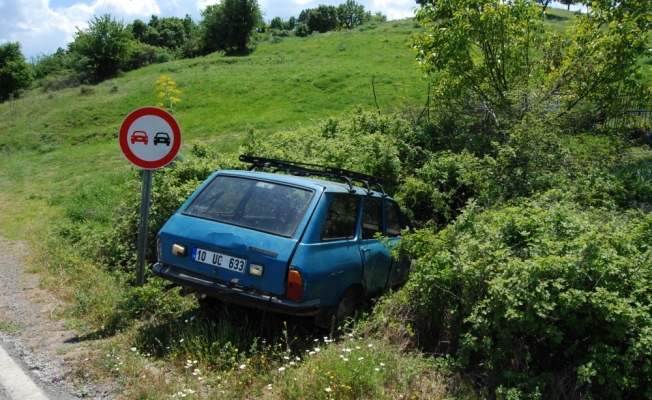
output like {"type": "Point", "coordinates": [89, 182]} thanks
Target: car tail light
{"type": "Point", "coordinates": [295, 285]}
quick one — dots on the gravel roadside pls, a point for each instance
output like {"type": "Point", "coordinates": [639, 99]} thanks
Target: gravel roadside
{"type": "Point", "coordinates": [43, 346]}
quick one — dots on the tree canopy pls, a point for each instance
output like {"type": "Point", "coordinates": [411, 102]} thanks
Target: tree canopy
{"type": "Point", "coordinates": [227, 25]}
{"type": "Point", "coordinates": [499, 55]}
{"type": "Point", "coordinates": [15, 74]}
{"type": "Point", "coordinates": [105, 45]}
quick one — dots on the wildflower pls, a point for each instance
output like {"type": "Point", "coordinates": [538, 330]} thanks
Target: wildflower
{"type": "Point", "coordinates": [243, 366]}
{"type": "Point", "coordinates": [269, 386]}
{"type": "Point", "coordinates": [361, 358]}
{"type": "Point", "coordinates": [132, 349]}
{"type": "Point", "coordinates": [370, 345]}
{"type": "Point", "coordinates": [311, 353]}
{"type": "Point", "coordinates": [377, 369]}
{"type": "Point", "coordinates": [192, 318]}
{"type": "Point", "coordinates": [357, 347]}
{"type": "Point", "coordinates": [298, 358]}
{"type": "Point", "coordinates": [181, 341]}
{"type": "Point", "coordinates": [328, 390]}
{"type": "Point", "coordinates": [281, 369]}
{"type": "Point", "coordinates": [286, 357]}
{"type": "Point", "coordinates": [292, 363]}
{"type": "Point", "coordinates": [345, 359]}
{"type": "Point", "coordinates": [382, 364]}
{"type": "Point", "coordinates": [317, 349]}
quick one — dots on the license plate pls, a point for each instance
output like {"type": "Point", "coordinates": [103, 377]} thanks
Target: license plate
{"type": "Point", "coordinates": [219, 260]}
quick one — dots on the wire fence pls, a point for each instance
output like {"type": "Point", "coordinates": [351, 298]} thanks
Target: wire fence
{"type": "Point", "coordinates": [635, 113]}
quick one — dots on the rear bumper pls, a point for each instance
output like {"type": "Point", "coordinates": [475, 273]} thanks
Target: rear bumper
{"type": "Point", "coordinates": [235, 294]}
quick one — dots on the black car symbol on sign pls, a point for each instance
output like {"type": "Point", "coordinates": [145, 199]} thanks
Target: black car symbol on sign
{"type": "Point", "coordinates": [162, 137]}
{"type": "Point", "coordinates": [139, 136]}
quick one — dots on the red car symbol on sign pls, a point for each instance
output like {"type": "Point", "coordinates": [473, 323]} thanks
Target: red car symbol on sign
{"type": "Point", "coordinates": [139, 136]}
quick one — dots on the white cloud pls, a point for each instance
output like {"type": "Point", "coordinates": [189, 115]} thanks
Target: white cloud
{"type": "Point", "coordinates": [41, 29]}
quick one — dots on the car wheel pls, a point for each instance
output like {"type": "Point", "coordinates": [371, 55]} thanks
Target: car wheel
{"type": "Point", "coordinates": [344, 309]}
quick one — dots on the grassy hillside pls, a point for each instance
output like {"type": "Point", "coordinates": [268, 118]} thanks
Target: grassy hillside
{"type": "Point", "coordinates": [67, 189]}
{"type": "Point", "coordinates": [50, 141]}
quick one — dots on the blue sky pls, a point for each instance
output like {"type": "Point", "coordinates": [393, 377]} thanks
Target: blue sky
{"type": "Point", "coordinates": [41, 26]}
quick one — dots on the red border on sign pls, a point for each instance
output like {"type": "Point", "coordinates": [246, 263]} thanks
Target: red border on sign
{"type": "Point", "coordinates": [124, 133]}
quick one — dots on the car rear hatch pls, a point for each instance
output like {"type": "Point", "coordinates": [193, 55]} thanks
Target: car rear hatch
{"type": "Point", "coordinates": [241, 230]}
{"type": "Point", "coordinates": [227, 253]}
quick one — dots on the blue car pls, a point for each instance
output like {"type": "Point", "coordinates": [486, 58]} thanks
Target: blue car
{"type": "Point", "coordinates": [285, 242]}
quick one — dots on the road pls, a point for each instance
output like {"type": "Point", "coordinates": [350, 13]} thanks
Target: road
{"type": "Point", "coordinates": [17, 383]}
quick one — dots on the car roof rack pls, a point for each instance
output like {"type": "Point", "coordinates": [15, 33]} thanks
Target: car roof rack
{"type": "Point", "coordinates": [304, 169]}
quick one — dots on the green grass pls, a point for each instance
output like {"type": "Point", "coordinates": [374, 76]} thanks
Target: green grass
{"type": "Point", "coordinates": [52, 142]}
{"type": "Point", "coordinates": [11, 327]}
{"type": "Point", "coordinates": [61, 162]}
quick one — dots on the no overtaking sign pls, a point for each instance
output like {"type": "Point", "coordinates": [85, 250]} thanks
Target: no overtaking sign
{"type": "Point", "coordinates": [150, 138]}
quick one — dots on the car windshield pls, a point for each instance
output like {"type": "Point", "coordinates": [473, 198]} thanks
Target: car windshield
{"type": "Point", "coordinates": [264, 206]}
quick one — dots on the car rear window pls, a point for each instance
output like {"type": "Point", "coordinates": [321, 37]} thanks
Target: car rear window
{"type": "Point", "coordinates": [264, 206]}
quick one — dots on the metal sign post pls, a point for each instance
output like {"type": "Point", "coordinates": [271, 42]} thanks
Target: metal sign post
{"type": "Point", "coordinates": [150, 138]}
{"type": "Point", "coordinates": [143, 225]}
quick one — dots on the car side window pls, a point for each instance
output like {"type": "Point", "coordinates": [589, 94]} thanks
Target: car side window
{"type": "Point", "coordinates": [372, 218]}
{"type": "Point", "coordinates": [392, 220]}
{"type": "Point", "coordinates": [341, 220]}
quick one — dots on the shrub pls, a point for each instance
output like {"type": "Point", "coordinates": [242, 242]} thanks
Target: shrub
{"type": "Point", "coordinates": [302, 30]}
{"type": "Point", "coordinates": [364, 142]}
{"type": "Point", "coordinates": [538, 292]}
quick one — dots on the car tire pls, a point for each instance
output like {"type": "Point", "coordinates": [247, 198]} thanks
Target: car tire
{"type": "Point", "coordinates": [343, 310]}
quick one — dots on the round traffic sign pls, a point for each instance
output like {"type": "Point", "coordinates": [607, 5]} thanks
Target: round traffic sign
{"type": "Point", "coordinates": [150, 137]}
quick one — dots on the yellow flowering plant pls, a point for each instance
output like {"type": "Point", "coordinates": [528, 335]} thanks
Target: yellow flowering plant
{"type": "Point", "coordinates": [167, 91]}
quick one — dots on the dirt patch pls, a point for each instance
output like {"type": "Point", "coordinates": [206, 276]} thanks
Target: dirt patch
{"type": "Point", "coordinates": [51, 351]}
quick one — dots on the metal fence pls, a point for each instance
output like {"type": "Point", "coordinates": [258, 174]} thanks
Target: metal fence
{"type": "Point", "coordinates": [638, 117]}
{"type": "Point", "coordinates": [635, 113]}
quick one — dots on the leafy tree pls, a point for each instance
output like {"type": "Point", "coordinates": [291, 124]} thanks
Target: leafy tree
{"type": "Point", "coordinates": [227, 25]}
{"type": "Point", "coordinates": [303, 16]}
{"type": "Point", "coordinates": [321, 19]}
{"type": "Point", "coordinates": [15, 73]}
{"type": "Point", "coordinates": [277, 23]}
{"type": "Point", "coordinates": [491, 56]}
{"type": "Point", "coordinates": [350, 13]}
{"type": "Point", "coordinates": [290, 24]}
{"type": "Point", "coordinates": [175, 34]}
{"type": "Point", "coordinates": [106, 46]}
{"type": "Point", "coordinates": [568, 3]}
{"type": "Point", "coordinates": [302, 30]}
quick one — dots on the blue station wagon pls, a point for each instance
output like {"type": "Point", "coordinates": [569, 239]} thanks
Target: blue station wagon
{"type": "Point", "coordinates": [285, 242]}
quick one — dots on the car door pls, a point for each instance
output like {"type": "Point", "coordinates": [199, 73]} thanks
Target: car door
{"type": "Point", "coordinates": [393, 225]}
{"type": "Point", "coordinates": [377, 261]}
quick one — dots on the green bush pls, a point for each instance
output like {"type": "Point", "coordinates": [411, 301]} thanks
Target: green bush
{"type": "Point", "coordinates": [302, 30]}
{"type": "Point", "coordinates": [539, 297]}
{"type": "Point", "coordinates": [363, 142]}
